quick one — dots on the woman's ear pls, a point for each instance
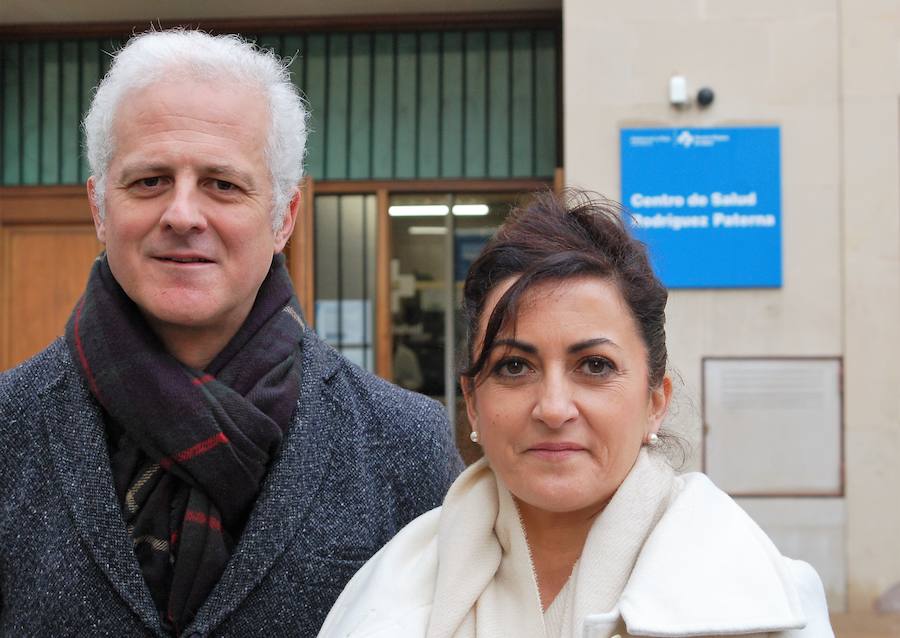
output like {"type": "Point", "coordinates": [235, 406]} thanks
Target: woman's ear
{"type": "Point", "coordinates": [659, 403]}
{"type": "Point", "coordinates": [468, 389]}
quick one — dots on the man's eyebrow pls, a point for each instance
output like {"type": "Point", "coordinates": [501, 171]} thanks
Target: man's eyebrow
{"type": "Point", "coordinates": [225, 170]}
{"type": "Point", "coordinates": [590, 343]}
{"type": "Point", "coordinates": [515, 343]}
{"type": "Point", "coordinates": [131, 171]}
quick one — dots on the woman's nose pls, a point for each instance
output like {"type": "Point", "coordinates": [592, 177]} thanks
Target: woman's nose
{"type": "Point", "coordinates": [555, 405]}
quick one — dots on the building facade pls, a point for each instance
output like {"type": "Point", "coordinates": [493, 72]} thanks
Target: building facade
{"type": "Point", "coordinates": [452, 110]}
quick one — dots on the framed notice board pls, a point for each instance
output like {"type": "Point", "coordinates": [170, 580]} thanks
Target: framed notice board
{"type": "Point", "coordinates": [774, 426]}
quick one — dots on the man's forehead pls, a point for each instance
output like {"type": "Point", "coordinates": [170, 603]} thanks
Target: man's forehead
{"type": "Point", "coordinates": [179, 76]}
{"type": "Point", "coordinates": [224, 126]}
{"type": "Point", "coordinates": [174, 93]}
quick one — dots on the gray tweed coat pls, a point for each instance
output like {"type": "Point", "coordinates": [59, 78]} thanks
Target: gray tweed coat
{"type": "Point", "coordinates": [360, 460]}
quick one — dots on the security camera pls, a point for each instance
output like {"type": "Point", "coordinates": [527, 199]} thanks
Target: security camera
{"type": "Point", "coordinates": [705, 96]}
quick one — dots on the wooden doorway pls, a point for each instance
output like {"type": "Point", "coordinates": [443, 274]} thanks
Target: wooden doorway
{"type": "Point", "coordinates": [48, 246]}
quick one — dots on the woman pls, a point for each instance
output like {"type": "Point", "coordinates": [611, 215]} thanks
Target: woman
{"type": "Point", "coordinates": [574, 524]}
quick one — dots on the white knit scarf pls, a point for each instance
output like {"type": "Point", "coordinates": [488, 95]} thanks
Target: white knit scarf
{"type": "Point", "coordinates": [486, 585]}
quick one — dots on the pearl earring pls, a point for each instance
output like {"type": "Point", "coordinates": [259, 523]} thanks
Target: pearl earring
{"type": "Point", "coordinates": [652, 438]}
{"type": "Point", "coordinates": [474, 436]}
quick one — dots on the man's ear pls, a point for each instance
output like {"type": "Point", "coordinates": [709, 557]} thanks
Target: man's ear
{"type": "Point", "coordinates": [99, 224]}
{"type": "Point", "coordinates": [287, 225]}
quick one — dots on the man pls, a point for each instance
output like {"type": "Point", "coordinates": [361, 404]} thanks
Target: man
{"type": "Point", "coordinates": [190, 459]}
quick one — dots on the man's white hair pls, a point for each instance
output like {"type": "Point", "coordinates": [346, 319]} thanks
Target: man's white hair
{"type": "Point", "coordinates": [154, 56]}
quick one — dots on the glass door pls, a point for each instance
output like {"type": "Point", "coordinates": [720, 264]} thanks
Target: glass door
{"type": "Point", "coordinates": [345, 271]}
{"type": "Point", "coordinates": [434, 239]}
{"type": "Point", "coordinates": [388, 277]}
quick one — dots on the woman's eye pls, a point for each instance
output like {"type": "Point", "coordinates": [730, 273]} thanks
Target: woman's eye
{"type": "Point", "coordinates": [597, 366]}
{"type": "Point", "coordinates": [512, 368]}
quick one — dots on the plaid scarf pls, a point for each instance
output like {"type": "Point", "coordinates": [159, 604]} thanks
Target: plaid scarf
{"type": "Point", "coordinates": [188, 448]}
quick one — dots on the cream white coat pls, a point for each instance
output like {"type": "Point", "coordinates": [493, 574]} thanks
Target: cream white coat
{"type": "Point", "coordinates": [706, 570]}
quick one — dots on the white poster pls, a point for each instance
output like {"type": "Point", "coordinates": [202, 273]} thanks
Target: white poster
{"type": "Point", "coordinates": [348, 322]}
{"type": "Point", "coordinates": [773, 427]}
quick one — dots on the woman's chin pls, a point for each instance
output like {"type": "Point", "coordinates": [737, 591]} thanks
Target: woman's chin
{"type": "Point", "coordinates": [561, 499]}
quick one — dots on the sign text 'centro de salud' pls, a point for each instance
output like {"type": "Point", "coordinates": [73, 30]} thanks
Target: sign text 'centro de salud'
{"type": "Point", "coordinates": [707, 202]}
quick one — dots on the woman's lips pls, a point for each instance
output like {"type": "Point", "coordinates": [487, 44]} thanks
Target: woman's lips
{"type": "Point", "coordinates": [555, 451]}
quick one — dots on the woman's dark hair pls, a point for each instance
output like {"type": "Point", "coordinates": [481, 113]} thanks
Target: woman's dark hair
{"type": "Point", "coordinates": [557, 238]}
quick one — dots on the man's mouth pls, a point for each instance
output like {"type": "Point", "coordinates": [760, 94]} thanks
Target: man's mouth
{"type": "Point", "coordinates": [187, 260]}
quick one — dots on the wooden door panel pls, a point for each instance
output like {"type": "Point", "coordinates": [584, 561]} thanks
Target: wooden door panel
{"type": "Point", "coordinates": [300, 252]}
{"type": "Point", "coordinates": [44, 271]}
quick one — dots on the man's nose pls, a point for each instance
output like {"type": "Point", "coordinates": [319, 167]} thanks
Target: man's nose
{"type": "Point", "coordinates": [555, 405]}
{"type": "Point", "coordinates": [184, 213]}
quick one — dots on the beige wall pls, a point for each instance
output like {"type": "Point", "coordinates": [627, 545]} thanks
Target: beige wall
{"type": "Point", "coordinates": [827, 73]}
{"type": "Point", "coordinates": [870, 101]}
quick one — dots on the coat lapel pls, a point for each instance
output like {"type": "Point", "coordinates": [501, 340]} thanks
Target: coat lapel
{"type": "Point", "coordinates": [77, 443]}
{"type": "Point", "coordinates": [294, 479]}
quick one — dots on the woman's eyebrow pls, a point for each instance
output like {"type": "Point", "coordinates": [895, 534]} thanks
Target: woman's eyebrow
{"type": "Point", "coordinates": [514, 343]}
{"type": "Point", "coordinates": [590, 343]}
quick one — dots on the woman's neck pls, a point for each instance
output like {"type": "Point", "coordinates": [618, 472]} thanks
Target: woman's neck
{"type": "Point", "coordinates": [556, 541]}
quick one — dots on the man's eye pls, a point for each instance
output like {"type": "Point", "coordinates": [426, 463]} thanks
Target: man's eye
{"type": "Point", "coordinates": [597, 366]}
{"type": "Point", "coordinates": [149, 182]}
{"type": "Point", "coordinates": [224, 186]}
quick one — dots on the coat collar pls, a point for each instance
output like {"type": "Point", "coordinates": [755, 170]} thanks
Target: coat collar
{"type": "Point", "coordinates": [78, 449]}
{"type": "Point", "coordinates": [706, 569]}
{"type": "Point", "coordinates": [707, 545]}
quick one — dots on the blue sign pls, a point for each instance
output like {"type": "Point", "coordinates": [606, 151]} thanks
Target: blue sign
{"type": "Point", "coordinates": [707, 202]}
{"type": "Point", "coordinates": [467, 245]}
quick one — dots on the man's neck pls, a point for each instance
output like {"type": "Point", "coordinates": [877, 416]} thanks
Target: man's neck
{"type": "Point", "coordinates": [194, 347]}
